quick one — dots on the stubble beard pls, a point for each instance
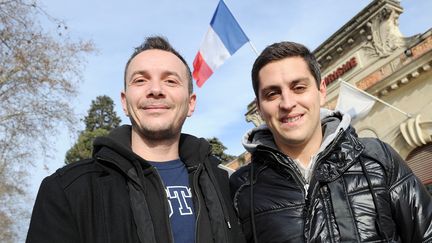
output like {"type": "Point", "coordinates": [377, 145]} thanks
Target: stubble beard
{"type": "Point", "coordinates": [170, 132]}
{"type": "Point", "coordinates": [157, 134]}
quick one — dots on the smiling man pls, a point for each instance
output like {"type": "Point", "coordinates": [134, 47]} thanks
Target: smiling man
{"type": "Point", "coordinates": [146, 182]}
{"type": "Point", "coordinates": [311, 179]}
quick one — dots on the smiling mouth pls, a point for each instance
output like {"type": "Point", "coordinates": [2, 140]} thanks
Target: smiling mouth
{"type": "Point", "coordinates": [155, 107]}
{"type": "Point", "coordinates": [291, 119]}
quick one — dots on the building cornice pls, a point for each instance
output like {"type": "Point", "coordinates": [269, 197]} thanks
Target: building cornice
{"type": "Point", "coordinates": [414, 61]}
{"type": "Point", "coordinates": [374, 23]}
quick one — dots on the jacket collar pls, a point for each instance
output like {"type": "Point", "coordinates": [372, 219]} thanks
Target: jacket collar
{"type": "Point", "coordinates": [193, 150]}
{"type": "Point", "coordinates": [116, 147]}
{"type": "Point", "coordinates": [339, 156]}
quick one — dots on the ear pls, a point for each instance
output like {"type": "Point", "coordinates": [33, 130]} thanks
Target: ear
{"type": "Point", "coordinates": [323, 93]}
{"type": "Point", "coordinates": [258, 107]}
{"type": "Point", "coordinates": [124, 102]}
{"type": "Point", "coordinates": [192, 103]}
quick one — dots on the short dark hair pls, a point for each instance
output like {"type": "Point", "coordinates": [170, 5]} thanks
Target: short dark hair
{"type": "Point", "coordinates": [282, 50]}
{"type": "Point", "coordinates": [159, 43]}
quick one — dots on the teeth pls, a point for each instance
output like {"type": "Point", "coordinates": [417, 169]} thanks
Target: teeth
{"type": "Point", "coordinates": [291, 119]}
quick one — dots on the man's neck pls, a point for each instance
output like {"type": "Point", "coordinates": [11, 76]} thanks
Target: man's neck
{"type": "Point", "coordinates": [155, 150]}
{"type": "Point", "coordinates": [303, 152]}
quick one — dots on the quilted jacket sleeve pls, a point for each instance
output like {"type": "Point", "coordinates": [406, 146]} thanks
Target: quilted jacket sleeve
{"type": "Point", "coordinates": [411, 202]}
{"type": "Point", "coordinates": [51, 219]}
{"type": "Point", "coordinates": [238, 178]}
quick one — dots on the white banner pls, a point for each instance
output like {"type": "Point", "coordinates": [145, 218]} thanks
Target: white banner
{"type": "Point", "coordinates": [353, 101]}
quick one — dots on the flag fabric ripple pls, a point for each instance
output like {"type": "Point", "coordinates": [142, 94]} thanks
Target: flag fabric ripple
{"type": "Point", "coordinates": [221, 41]}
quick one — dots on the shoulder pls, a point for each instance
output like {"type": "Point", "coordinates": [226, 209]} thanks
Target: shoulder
{"type": "Point", "coordinates": [212, 163]}
{"type": "Point", "coordinates": [71, 173]}
{"type": "Point", "coordinates": [381, 152]}
{"type": "Point", "coordinates": [54, 187]}
{"type": "Point", "coordinates": [375, 147]}
{"type": "Point", "coordinates": [239, 177]}
{"type": "Point", "coordinates": [193, 150]}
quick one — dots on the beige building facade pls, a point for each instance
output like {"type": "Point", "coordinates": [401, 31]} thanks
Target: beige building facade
{"type": "Point", "coordinates": [370, 52]}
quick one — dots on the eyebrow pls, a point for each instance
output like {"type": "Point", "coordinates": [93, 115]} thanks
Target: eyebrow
{"type": "Point", "coordinates": [270, 87]}
{"type": "Point", "coordinates": [296, 81]}
{"type": "Point", "coordinates": [290, 83]}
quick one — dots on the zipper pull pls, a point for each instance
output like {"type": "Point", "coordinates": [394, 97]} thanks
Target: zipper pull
{"type": "Point", "coordinates": [228, 223]}
{"type": "Point", "coordinates": [306, 187]}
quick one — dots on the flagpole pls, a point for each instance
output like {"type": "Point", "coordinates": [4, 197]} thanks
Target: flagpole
{"type": "Point", "coordinates": [253, 48]}
{"type": "Point", "coordinates": [375, 98]}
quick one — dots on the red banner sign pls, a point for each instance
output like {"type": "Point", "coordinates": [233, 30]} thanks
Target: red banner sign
{"type": "Point", "coordinates": [350, 64]}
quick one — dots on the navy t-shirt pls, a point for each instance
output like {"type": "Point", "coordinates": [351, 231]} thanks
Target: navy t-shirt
{"type": "Point", "coordinates": [176, 180]}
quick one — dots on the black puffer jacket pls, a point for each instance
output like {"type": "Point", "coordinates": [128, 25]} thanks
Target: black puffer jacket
{"type": "Point", "coordinates": [360, 191]}
{"type": "Point", "coordinates": [118, 197]}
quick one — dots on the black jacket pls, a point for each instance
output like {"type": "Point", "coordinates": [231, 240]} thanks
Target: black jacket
{"type": "Point", "coordinates": [118, 197]}
{"type": "Point", "coordinates": [360, 190]}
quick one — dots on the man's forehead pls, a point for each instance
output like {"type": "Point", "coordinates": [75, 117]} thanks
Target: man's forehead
{"type": "Point", "coordinates": [153, 55]}
{"type": "Point", "coordinates": [156, 59]}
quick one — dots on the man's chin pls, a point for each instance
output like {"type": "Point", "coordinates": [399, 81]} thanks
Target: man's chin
{"type": "Point", "coordinates": [290, 140]}
{"type": "Point", "coordinates": [158, 134]}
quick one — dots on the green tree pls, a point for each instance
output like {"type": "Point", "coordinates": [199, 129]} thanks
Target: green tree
{"type": "Point", "coordinates": [101, 114]}
{"type": "Point", "coordinates": [218, 150]}
{"type": "Point", "coordinates": [100, 119]}
{"type": "Point", "coordinates": [40, 69]}
{"type": "Point", "coordinates": [82, 149]}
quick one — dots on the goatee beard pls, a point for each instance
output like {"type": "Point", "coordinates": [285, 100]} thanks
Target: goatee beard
{"type": "Point", "coordinates": [159, 135]}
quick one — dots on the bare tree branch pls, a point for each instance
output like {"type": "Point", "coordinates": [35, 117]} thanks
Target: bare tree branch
{"type": "Point", "coordinates": [39, 76]}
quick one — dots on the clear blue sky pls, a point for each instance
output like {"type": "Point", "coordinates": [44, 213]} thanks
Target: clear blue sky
{"type": "Point", "coordinates": [116, 27]}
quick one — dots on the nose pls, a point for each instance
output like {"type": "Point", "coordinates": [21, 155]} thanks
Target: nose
{"type": "Point", "coordinates": [287, 101]}
{"type": "Point", "coordinates": [155, 89]}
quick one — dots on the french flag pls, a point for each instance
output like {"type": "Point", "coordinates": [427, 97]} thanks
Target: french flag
{"type": "Point", "coordinates": [222, 40]}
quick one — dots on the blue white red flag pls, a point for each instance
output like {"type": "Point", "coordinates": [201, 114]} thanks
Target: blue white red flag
{"type": "Point", "coordinates": [222, 40]}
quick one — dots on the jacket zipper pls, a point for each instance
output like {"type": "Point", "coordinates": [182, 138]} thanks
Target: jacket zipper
{"type": "Point", "coordinates": [299, 179]}
{"type": "Point", "coordinates": [198, 196]}
{"type": "Point", "coordinates": [319, 156]}
{"type": "Point", "coordinates": [292, 171]}
{"type": "Point", "coordinates": [165, 202]}
{"type": "Point", "coordinates": [225, 212]}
